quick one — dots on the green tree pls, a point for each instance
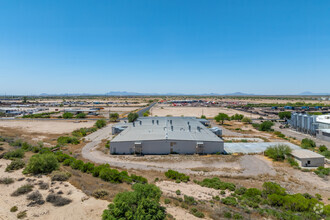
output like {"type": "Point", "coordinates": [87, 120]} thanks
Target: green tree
{"type": "Point", "coordinates": [266, 126]}
{"type": "Point", "coordinates": [113, 116]}
{"type": "Point", "coordinates": [221, 117]}
{"type": "Point", "coordinates": [247, 120]}
{"type": "Point", "coordinates": [307, 143]}
{"type": "Point", "coordinates": [284, 115]}
{"type": "Point", "coordinates": [42, 164]}
{"type": "Point", "coordinates": [203, 117]}
{"type": "Point", "coordinates": [142, 203]}
{"type": "Point", "coordinates": [100, 123]}
{"type": "Point", "coordinates": [67, 115]}
{"type": "Point", "coordinates": [132, 117]}
{"type": "Point", "coordinates": [278, 153]}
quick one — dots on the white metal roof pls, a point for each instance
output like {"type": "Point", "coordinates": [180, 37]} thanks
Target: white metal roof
{"type": "Point", "coordinates": [323, 119]}
{"type": "Point", "coordinates": [303, 153]}
{"type": "Point", "coordinates": [167, 128]}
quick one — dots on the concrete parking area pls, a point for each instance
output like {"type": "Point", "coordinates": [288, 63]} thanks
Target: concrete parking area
{"type": "Point", "coordinates": [249, 148]}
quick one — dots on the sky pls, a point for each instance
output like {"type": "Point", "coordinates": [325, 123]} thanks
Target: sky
{"type": "Point", "coordinates": [272, 47]}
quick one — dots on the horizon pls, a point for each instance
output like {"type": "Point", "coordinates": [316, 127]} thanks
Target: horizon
{"type": "Point", "coordinates": [187, 47]}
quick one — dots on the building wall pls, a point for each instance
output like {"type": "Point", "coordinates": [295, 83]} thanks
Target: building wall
{"type": "Point", "coordinates": [314, 162]}
{"type": "Point", "coordinates": [323, 136]}
{"type": "Point", "coordinates": [166, 147]}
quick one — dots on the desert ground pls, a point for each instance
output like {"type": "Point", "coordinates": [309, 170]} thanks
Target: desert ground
{"type": "Point", "coordinates": [209, 112]}
{"type": "Point", "coordinates": [81, 207]}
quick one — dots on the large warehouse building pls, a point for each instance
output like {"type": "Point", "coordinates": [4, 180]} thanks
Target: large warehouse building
{"type": "Point", "coordinates": [165, 135]}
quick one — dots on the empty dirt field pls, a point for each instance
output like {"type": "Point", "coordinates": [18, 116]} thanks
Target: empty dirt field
{"type": "Point", "coordinates": [209, 112]}
{"type": "Point", "coordinates": [45, 126]}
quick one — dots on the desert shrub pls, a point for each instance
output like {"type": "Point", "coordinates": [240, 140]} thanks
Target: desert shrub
{"type": "Point", "coordinates": [16, 164]}
{"type": "Point", "coordinates": [307, 143]}
{"type": "Point", "coordinates": [87, 167]}
{"type": "Point", "coordinates": [43, 185]}
{"type": "Point", "coordinates": [271, 188]}
{"type": "Point", "coordinates": [110, 175]}
{"type": "Point", "coordinates": [222, 192]}
{"type": "Point", "coordinates": [237, 216]}
{"type": "Point", "coordinates": [171, 174]}
{"type": "Point", "coordinates": [18, 153]}
{"type": "Point", "coordinates": [167, 201]}
{"type": "Point", "coordinates": [227, 214]}
{"type": "Point", "coordinates": [216, 183]}
{"type": "Point", "coordinates": [278, 152]}
{"type": "Point", "coordinates": [323, 148]}
{"type": "Point", "coordinates": [251, 192]}
{"type": "Point", "coordinates": [21, 215]}
{"type": "Point", "coordinates": [67, 115]}
{"type": "Point", "coordinates": [100, 193]}
{"type": "Point", "coordinates": [82, 132]}
{"type": "Point", "coordinates": [240, 191]}
{"type": "Point", "coordinates": [266, 126]}
{"type": "Point", "coordinates": [284, 115]}
{"type": "Point", "coordinates": [81, 115]}
{"type": "Point", "coordinates": [247, 120]}
{"type": "Point", "coordinates": [22, 190]}
{"type": "Point", "coordinates": [60, 176]}
{"type": "Point", "coordinates": [57, 200]}
{"type": "Point", "coordinates": [197, 213]}
{"type": "Point", "coordinates": [61, 156]}
{"type": "Point", "coordinates": [36, 199]}
{"type": "Point", "coordinates": [292, 162]}
{"type": "Point", "coordinates": [178, 192]}
{"type": "Point", "coordinates": [322, 172]}
{"type": "Point", "coordinates": [42, 164]}
{"type": "Point", "coordinates": [77, 164]}
{"type": "Point", "coordinates": [138, 179]}
{"type": "Point", "coordinates": [142, 203]}
{"type": "Point", "coordinates": [6, 180]}
{"type": "Point", "coordinates": [189, 200]}
{"type": "Point", "coordinates": [13, 209]}
{"type": "Point", "coordinates": [97, 169]}
{"type": "Point", "coordinates": [63, 140]}
{"type": "Point", "coordinates": [229, 201]}
{"type": "Point", "coordinates": [100, 123]}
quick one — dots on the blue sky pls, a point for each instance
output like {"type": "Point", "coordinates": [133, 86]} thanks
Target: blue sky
{"type": "Point", "coordinates": [182, 46]}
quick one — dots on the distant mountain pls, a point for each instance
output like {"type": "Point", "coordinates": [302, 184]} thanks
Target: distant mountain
{"type": "Point", "coordinates": [238, 94]}
{"type": "Point", "coordinates": [311, 93]}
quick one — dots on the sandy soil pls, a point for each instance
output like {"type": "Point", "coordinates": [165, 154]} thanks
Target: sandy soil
{"type": "Point", "coordinates": [46, 126]}
{"type": "Point", "coordinates": [189, 189]}
{"type": "Point", "coordinates": [180, 213]}
{"type": "Point", "coordinates": [79, 208]}
{"type": "Point", "coordinates": [209, 112]}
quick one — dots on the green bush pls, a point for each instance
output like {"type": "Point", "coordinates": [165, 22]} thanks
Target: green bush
{"type": "Point", "coordinates": [284, 115]}
{"type": "Point", "coordinates": [138, 179]}
{"type": "Point", "coordinates": [15, 165]}
{"type": "Point", "coordinates": [63, 140]}
{"type": "Point", "coordinates": [97, 169]}
{"type": "Point", "coordinates": [216, 183]}
{"type": "Point", "coordinates": [13, 209]}
{"type": "Point", "coordinates": [171, 174]}
{"type": "Point", "coordinates": [227, 215]}
{"type": "Point", "coordinates": [100, 123]}
{"type": "Point", "coordinates": [142, 203]}
{"type": "Point", "coordinates": [323, 148]}
{"type": "Point", "coordinates": [307, 143]}
{"type": "Point", "coordinates": [113, 116]}
{"type": "Point", "coordinates": [229, 201]}
{"type": "Point", "coordinates": [67, 115]}
{"type": "Point", "coordinates": [266, 126]}
{"type": "Point", "coordinates": [322, 172]}
{"type": "Point", "coordinates": [278, 152]}
{"type": "Point", "coordinates": [272, 188]}
{"type": "Point", "coordinates": [42, 164]}
{"type": "Point", "coordinates": [189, 200]}
{"type": "Point", "coordinates": [167, 201]}
{"type": "Point", "coordinates": [197, 213]}
{"type": "Point", "coordinates": [77, 164]}
{"type": "Point", "coordinates": [81, 115]}
{"type": "Point", "coordinates": [82, 132]}
{"type": "Point", "coordinates": [88, 167]}
{"type": "Point", "coordinates": [178, 192]}
{"type": "Point", "coordinates": [18, 153]}
{"type": "Point", "coordinates": [292, 162]}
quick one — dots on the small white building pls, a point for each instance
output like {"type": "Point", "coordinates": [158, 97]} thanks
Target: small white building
{"type": "Point", "coordinates": [307, 158]}
{"type": "Point", "coordinates": [165, 135]}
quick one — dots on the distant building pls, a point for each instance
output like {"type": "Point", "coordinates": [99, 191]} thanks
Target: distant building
{"type": "Point", "coordinates": [165, 135]}
{"type": "Point", "coordinates": [307, 158]}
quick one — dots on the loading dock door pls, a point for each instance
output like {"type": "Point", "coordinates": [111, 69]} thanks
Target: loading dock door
{"type": "Point", "coordinates": [138, 148]}
{"type": "Point", "coordinates": [199, 148]}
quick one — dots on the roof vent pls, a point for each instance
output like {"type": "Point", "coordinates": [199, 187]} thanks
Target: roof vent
{"type": "Point", "coordinates": [157, 122]}
{"type": "Point", "coordinates": [153, 121]}
{"type": "Point", "coordinates": [172, 128]}
{"type": "Point", "coordinates": [140, 122]}
{"type": "Point", "coordinates": [133, 124]}
{"type": "Point", "coordinates": [189, 127]}
{"type": "Point", "coordinates": [199, 128]}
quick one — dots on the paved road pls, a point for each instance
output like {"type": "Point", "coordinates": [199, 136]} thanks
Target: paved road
{"type": "Point", "coordinates": [299, 136]}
